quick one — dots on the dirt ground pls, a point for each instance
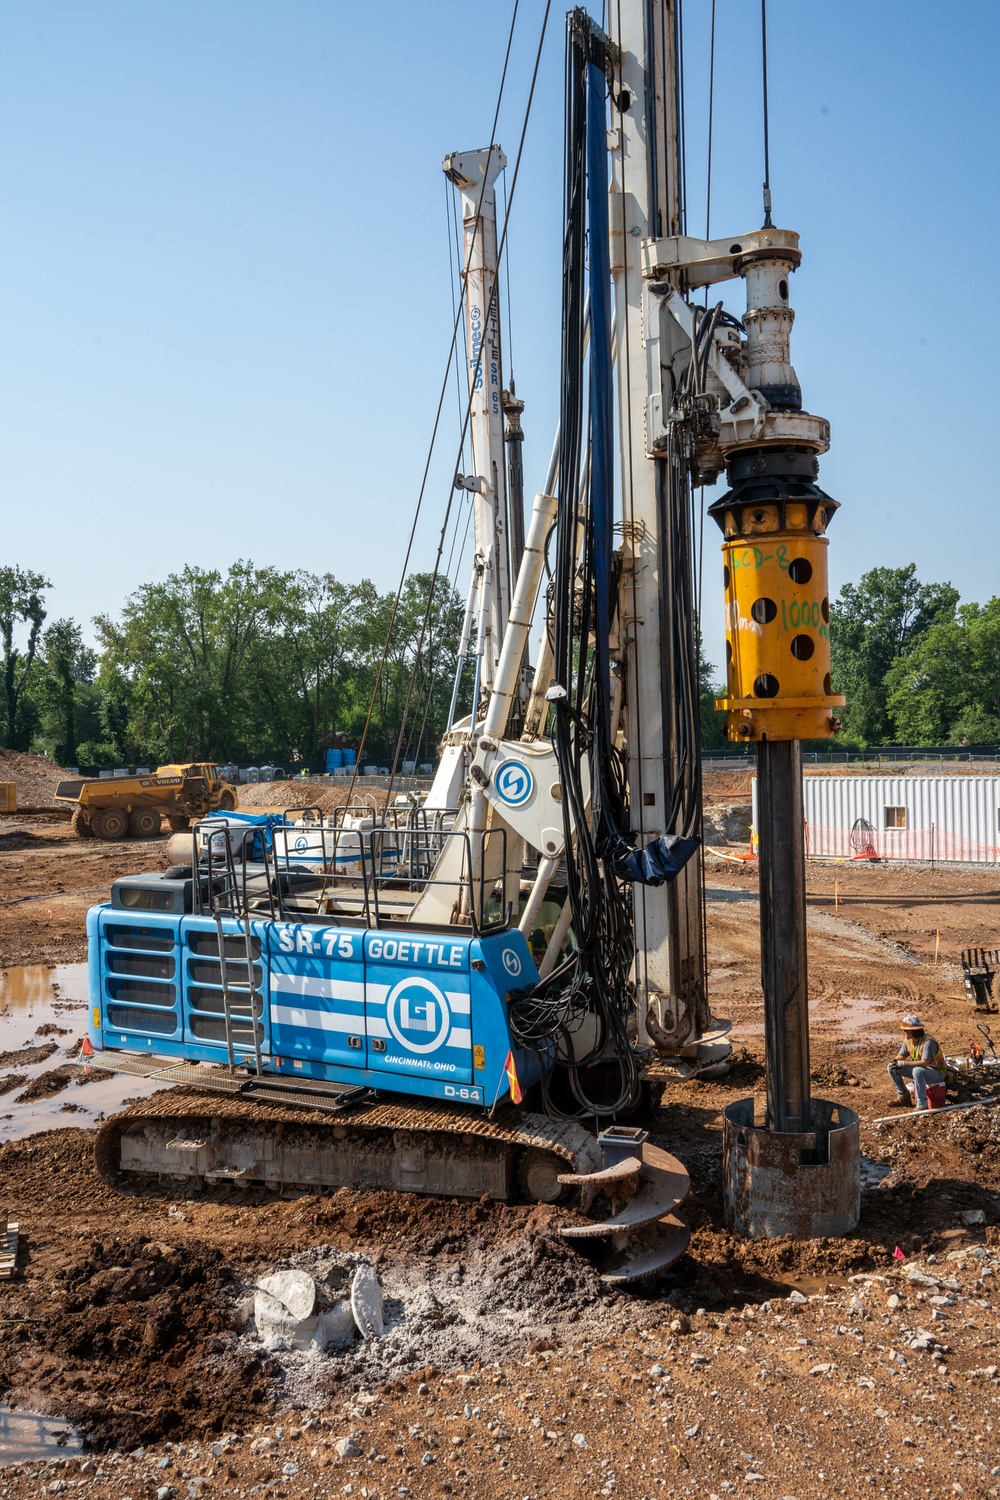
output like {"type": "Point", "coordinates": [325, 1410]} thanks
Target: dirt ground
{"type": "Point", "coordinates": [48, 881]}
{"type": "Point", "coordinates": [770, 1369]}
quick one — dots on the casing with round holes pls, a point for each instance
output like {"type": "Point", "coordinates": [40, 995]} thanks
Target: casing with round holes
{"type": "Point", "coordinates": [777, 617]}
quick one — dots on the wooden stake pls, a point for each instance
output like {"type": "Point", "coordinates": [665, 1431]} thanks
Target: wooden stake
{"type": "Point", "coordinates": [937, 945]}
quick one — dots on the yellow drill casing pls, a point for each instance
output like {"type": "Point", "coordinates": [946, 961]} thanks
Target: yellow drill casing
{"type": "Point", "coordinates": [777, 622]}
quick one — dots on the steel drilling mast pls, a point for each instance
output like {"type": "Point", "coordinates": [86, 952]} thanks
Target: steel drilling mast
{"type": "Point", "coordinates": [722, 395]}
{"type": "Point", "coordinates": [659, 638]}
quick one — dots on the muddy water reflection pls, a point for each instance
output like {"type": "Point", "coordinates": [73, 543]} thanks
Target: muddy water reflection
{"type": "Point", "coordinates": [44, 1006]}
{"type": "Point", "coordinates": [24, 1437]}
{"type": "Point", "coordinates": [858, 1020]}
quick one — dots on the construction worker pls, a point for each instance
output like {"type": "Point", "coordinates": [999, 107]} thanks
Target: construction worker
{"type": "Point", "coordinates": [919, 1058]}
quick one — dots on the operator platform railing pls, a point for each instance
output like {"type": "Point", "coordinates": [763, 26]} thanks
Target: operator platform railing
{"type": "Point", "coordinates": [374, 876]}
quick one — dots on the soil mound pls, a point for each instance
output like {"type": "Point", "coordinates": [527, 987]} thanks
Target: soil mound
{"type": "Point", "coordinates": [272, 796]}
{"type": "Point", "coordinates": [35, 778]}
{"type": "Point", "coordinates": [136, 1345]}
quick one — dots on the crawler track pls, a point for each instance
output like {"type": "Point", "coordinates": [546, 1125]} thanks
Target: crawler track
{"type": "Point", "coordinates": [184, 1135]}
{"type": "Point", "coordinates": [284, 1142]}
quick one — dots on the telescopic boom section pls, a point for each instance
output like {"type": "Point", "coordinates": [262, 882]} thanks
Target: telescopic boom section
{"type": "Point", "coordinates": [474, 174]}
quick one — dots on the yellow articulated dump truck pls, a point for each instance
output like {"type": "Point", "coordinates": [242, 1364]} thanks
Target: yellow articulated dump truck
{"type": "Point", "coordinates": [121, 807]}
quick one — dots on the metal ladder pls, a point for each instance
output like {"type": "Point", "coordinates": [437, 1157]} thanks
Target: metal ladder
{"type": "Point", "coordinates": [226, 891]}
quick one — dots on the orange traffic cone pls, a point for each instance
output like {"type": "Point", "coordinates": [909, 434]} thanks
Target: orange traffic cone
{"type": "Point", "coordinates": [86, 1049]}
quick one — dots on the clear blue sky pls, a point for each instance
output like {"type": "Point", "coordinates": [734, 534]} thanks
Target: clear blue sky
{"type": "Point", "coordinates": [224, 277]}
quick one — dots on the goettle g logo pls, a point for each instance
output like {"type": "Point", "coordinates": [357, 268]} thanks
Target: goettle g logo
{"type": "Point", "coordinates": [511, 962]}
{"type": "Point", "coordinates": [513, 783]}
{"type": "Point", "coordinates": [417, 1015]}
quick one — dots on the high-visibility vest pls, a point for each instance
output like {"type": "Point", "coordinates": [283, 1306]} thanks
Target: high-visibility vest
{"type": "Point", "coordinates": [937, 1061]}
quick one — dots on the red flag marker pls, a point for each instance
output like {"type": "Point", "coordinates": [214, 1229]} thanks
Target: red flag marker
{"type": "Point", "coordinates": [511, 1071]}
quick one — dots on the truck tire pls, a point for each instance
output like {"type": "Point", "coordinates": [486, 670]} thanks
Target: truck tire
{"type": "Point", "coordinates": [111, 823]}
{"type": "Point", "coordinates": [178, 822]}
{"type": "Point", "coordinates": [227, 801]}
{"type": "Point", "coordinates": [81, 824]}
{"type": "Point", "coordinates": [145, 823]}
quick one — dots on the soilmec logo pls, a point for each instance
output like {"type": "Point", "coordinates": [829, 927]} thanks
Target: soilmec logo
{"type": "Point", "coordinates": [511, 962]}
{"type": "Point", "coordinates": [417, 1015]}
{"type": "Point", "coordinates": [513, 783]}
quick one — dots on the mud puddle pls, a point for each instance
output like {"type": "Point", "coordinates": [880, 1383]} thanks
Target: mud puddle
{"type": "Point", "coordinates": [859, 1020]}
{"type": "Point", "coordinates": [25, 1438]}
{"type": "Point", "coordinates": [44, 1084]}
{"type": "Point", "coordinates": [870, 1014]}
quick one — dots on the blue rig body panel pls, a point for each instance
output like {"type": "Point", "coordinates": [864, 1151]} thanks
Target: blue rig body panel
{"type": "Point", "coordinates": [403, 1011]}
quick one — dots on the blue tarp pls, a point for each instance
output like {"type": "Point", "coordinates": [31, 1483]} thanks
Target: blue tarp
{"type": "Point", "coordinates": [264, 822]}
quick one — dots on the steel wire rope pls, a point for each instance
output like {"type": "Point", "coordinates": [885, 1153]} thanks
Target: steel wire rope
{"type": "Point", "coordinates": [681, 111]}
{"type": "Point", "coordinates": [767, 145]}
{"type": "Point", "coordinates": [455, 260]}
{"type": "Point", "coordinates": [451, 579]}
{"type": "Point", "coordinates": [711, 118]}
{"type": "Point", "coordinates": [506, 267]}
{"type": "Point", "coordinates": [494, 301]}
{"type": "Point", "coordinates": [437, 420]}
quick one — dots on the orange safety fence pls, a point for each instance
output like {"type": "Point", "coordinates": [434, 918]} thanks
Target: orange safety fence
{"type": "Point", "coordinates": [925, 844]}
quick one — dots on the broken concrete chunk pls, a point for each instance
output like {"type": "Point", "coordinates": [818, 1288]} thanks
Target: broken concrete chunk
{"type": "Point", "coordinates": [366, 1302]}
{"type": "Point", "coordinates": [295, 1290]}
{"type": "Point", "coordinates": [277, 1322]}
{"type": "Point", "coordinates": [974, 1216]}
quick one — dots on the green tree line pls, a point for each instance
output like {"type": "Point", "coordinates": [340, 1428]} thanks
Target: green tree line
{"type": "Point", "coordinates": [262, 665]}
{"type": "Point", "coordinates": [915, 666]}
{"type": "Point", "coordinates": [251, 665]}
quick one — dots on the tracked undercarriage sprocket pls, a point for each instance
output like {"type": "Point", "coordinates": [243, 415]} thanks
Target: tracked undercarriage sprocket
{"type": "Point", "coordinates": [273, 1141]}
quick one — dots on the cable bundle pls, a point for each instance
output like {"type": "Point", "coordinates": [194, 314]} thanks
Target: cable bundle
{"type": "Point", "coordinates": [594, 981]}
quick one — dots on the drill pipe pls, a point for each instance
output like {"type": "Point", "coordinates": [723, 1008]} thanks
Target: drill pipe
{"type": "Point", "coordinates": [781, 850]}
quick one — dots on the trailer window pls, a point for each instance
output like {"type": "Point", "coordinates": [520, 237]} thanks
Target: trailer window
{"type": "Point", "coordinates": [895, 817]}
